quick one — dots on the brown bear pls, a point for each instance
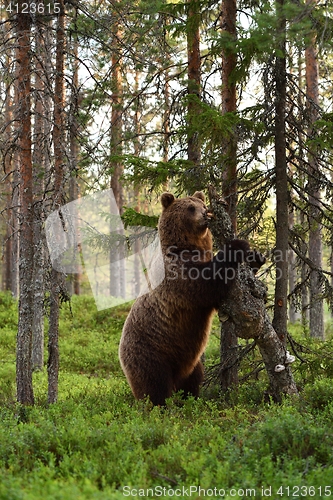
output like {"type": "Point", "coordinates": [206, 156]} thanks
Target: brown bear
{"type": "Point", "coordinates": [167, 329]}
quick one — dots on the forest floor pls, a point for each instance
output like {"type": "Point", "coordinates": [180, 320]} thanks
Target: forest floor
{"type": "Point", "coordinates": [98, 443]}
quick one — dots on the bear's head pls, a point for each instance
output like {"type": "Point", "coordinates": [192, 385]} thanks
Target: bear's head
{"type": "Point", "coordinates": [184, 223]}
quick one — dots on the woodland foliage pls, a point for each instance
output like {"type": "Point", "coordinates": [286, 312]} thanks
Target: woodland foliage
{"type": "Point", "coordinates": [130, 95]}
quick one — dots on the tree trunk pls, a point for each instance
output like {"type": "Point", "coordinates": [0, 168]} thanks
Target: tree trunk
{"type": "Point", "coordinates": [59, 155]}
{"type": "Point", "coordinates": [15, 212]}
{"type": "Point", "coordinates": [291, 274]}
{"type": "Point", "coordinates": [8, 166]}
{"type": "Point", "coordinates": [331, 262]}
{"type": "Point", "coordinates": [229, 105]}
{"type": "Point", "coordinates": [166, 99]}
{"type": "Point", "coordinates": [117, 273]}
{"type": "Point", "coordinates": [194, 92]}
{"type": "Point", "coordinates": [14, 223]}
{"type": "Point", "coordinates": [281, 182]}
{"type": "Point", "coordinates": [24, 336]}
{"type": "Point", "coordinates": [245, 308]}
{"type": "Point", "coordinates": [315, 229]}
{"type": "Point", "coordinates": [74, 147]}
{"type": "Point", "coordinates": [53, 339]}
{"type": "Point", "coordinates": [229, 342]}
{"type": "Point", "coordinates": [166, 122]}
{"type": "Point", "coordinates": [304, 279]}
{"type": "Point", "coordinates": [37, 355]}
{"type": "Point", "coordinates": [136, 193]}
{"type": "Point", "coordinates": [300, 216]}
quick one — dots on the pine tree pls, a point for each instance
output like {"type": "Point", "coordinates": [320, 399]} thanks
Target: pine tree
{"type": "Point", "coordinates": [281, 182]}
{"type": "Point", "coordinates": [26, 244]}
{"type": "Point", "coordinates": [315, 230]}
{"type": "Point", "coordinates": [194, 89]}
{"type": "Point", "coordinates": [58, 136]}
{"type": "Point", "coordinates": [229, 341]}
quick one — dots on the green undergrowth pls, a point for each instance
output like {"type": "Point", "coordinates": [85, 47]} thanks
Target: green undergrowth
{"type": "Point", "coordinates": [97, 442]}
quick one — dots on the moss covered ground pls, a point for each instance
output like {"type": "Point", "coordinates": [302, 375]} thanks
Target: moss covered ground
{"type": "Point", "coordinates": [98, 443]}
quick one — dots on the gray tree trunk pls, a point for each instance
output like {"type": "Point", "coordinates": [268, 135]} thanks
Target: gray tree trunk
{"type": "Point", "coordinates": [281, 183]}
{"type": "Point", "coordinates": [8, 167]}
{"type": "Point", "coordinates": [24, 335]}
{"type": "Point", "coordinates": [14, 219]}
{"type": "Point", "coordinates": [37, 355]}
{"type": "Point", "coordinates": [14, 223]}
{"type": "Point", "coordinates": [53, 338]}
{"type": "Point", "coordinates": [292, 275]}
{"type": "Point", "coordinates": [315, 228]}
{"type": "Point", "coordinates": [304, 276]}
{"type": "Point", "coordinates": [74, 284]}
{"type": "Point", "coordinates": [117, 273]}
{"type": "Point", "coordinates": [58, 137]}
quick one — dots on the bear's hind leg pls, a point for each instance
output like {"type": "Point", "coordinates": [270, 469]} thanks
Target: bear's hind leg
{"type": "Point", "coordinates": [191, 385]}
{"type": "Point", "coordinates": [157, 384]}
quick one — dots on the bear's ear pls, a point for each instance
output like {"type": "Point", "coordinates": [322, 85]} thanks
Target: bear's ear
{"type": "Point", "coordinates": [167, 199]}
{"type": "Point", "coordinates": [200, 195]}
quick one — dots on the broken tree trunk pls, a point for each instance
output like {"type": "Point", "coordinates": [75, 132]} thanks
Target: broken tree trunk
{"type": "Point", "coordinates": [245, 309]}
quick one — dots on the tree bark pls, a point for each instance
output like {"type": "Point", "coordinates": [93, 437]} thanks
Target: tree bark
{"type": "Point", "coordinates": [228, 341]}
{"type": "Point", "coordinates": [166, 122]}
{"type": "Point", "coordinates": [116, 117]}
{"type": "Point", "coordinates": [117, 273]}
{"type": "Point", "coordinates": [291, 274]}
{"type": "Point", "coordinates": [245, 308]}
{"type": "Point", "coordinates": [315, 229]}
{"type": "Point", "coordinates": [37, 355]}
{"type": "Point", "coordinates": [14, 223]}
{"type": "Point", "coordinates": [229, 105]}
{"type": "Point", "coordinates": [14, 220]}
{"type": "Point", "coordinates": [281, 182]}
{"type": "Point", "coordinates": [58, 145]}
{"type": "Point", "coordinates": [8, 166]}
{"type": "Point", "coordinates": [194, 93]}
{"type": "Point", "coordinates": [301, 216]}
{"type": "Point", "coordinates": [136, 193]}
{"type": "Point", "coordinates": [74, 146]}
{"type": "Point", "coordinates": [304, 279]}
{"type": "Point", "coordinates": [24, 336]}
{"type": "Point", "coordinates": [331, 264]}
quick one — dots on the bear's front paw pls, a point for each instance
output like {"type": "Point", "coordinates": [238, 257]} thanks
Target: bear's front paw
{"type": "Point", "coordinates": [255, 260]}
{"type": "Point", "coordinates": [233, 253]}
{"type": "Point", "coordinates": [237, 250]}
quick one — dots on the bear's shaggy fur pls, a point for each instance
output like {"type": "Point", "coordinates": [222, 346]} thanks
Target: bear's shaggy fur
{"type": "Point", "coordinates": [167, 329]}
